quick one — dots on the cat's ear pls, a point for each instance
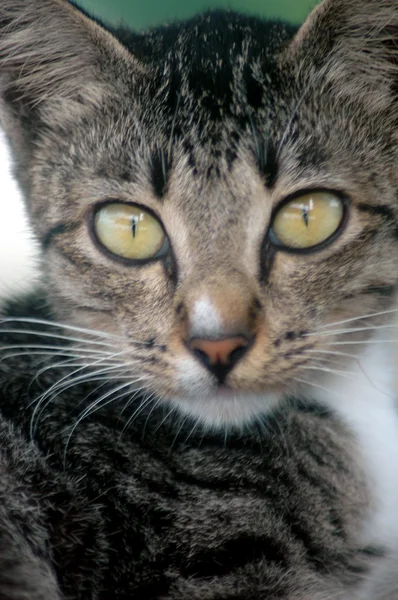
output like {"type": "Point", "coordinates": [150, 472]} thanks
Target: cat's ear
{"type": "Point", "coordinates": [55, 63]}
{"type": "Point", "coordinates": [354, 43]}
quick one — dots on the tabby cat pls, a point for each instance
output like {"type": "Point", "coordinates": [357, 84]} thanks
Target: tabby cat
{"type": "Point", "coordinates": [197, 401]}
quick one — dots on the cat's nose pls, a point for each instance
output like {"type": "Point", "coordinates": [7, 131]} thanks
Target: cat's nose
{"type": "Point", "coordinates": [219, 356]}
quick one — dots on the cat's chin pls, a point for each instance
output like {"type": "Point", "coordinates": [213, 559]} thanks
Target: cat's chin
{"type": "Point", "coordinates": [226, 407]}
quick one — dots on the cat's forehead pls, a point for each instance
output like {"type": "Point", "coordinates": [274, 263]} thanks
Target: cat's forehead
{"type": "Point", "coordinates": [209, 48]}
{"type": "Point", "coordinates": [202, 120]}
{"type": "Point", "coordinates": [207, 75]}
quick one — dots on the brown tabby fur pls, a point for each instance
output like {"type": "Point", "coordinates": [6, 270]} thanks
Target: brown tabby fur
{"type": "Point", "coordinates": [90, 113]}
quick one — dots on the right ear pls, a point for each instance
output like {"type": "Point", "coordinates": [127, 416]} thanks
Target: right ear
{"type": "Point", "coordinates": [354, 45]}
{"type": "Point", "coordinates": [56, 64]}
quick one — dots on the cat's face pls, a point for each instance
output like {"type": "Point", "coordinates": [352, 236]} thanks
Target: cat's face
{"type": "Point", "coordinates": [213, 203]}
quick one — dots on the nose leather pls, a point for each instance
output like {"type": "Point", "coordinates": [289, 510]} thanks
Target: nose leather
{"type": "Point", "coordinates": [219, 356]}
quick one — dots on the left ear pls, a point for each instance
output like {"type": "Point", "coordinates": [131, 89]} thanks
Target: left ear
{"type": "Point", "coordinates": [55, 63]}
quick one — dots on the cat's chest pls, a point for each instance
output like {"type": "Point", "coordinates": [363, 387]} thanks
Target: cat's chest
{"type": "Point", "coordinates": [367, 404]}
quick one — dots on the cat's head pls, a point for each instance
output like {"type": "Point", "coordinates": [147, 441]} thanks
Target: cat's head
{"type": "Point", "coordinates": [214, 194]}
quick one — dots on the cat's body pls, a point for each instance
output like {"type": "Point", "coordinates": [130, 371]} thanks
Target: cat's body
{"type": "Point", "coordinates": [150, 509]}
{"type": "Point", "coordinates": [201, 403]}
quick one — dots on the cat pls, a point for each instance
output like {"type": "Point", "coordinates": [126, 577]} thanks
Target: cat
{"type": "Point", "coordinates": [197, 400]}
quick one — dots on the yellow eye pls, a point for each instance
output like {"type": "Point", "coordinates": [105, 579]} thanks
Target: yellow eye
{"type": "Point", "coordinates": [308, 220]}
{"type": "Point", "coordinates": [129, 231]}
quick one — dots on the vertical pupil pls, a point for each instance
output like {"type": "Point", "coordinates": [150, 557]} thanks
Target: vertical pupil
{"type": "Point", "coordinates": [305, 215]}
{"type": "Point", "coordinates": [134, 225]}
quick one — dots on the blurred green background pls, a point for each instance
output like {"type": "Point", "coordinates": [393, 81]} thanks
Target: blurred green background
{"type": "Point", "coordinates": [140, 14]}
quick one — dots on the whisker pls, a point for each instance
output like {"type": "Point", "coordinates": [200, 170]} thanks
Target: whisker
{"type": "Point", "coordinates": [71, 355]}
{"type": "Point", "coordinates": [195, 426]}
{"type": "Point", "coordinates": [357, 361]}
{"type": "Point", "coordinates": [66, 383]}
{"type": "Point", "coordinates": [105, 381]}
{"type": "Point", "coordinates": [367, 316]}
{"type": "Point", "coordinates": [70, 338]}
{"type": "Point", "coordinates": [332, 352]}
{"type": "Point", "coordinates": [56, 336]}
{"type": "Point", "coordinates": [71, 362]}
{"type": "Point", "coordinates": [93, 408]}
{"type": "Point", "coordinates": [68, 363]}
{"type": "Point", "coordinates": [93, 332]}
{"type": "Point", "coordinates": [70, 376]}
{"type": "Point", "coordinates": [155, 405]}
{"type": "Point", "coordinates": [162, 422]}
{"type": "Point", "coordinates": [180, 428]}
{"type": "Point", "coordinates": [327, 370]}
{"type": "Point", "coordinates": [316, 385]}
{"type": "Point", "coordinates": [351, 330]}
{"type": "Point", "coordinates": [43, 402]}
{"type": "Point", "coordinates": [325, 361]}
{"type": "Point", "coordinates": [49, 348]}
{"type": "Point", "coordinates": [144, 402]}
{"type": "Point", "coordinates": [354, 342]}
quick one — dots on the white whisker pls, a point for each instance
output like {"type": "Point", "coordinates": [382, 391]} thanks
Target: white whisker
{"type": "Point", "coordinates": [69, 381]}
{"type": "Point", "coordinates": [49, 348]}
{"type": "Point", "coordinates": [70, 376]}
{"type": "Point", "coordinates": [195, 426]}
{"type": "Point", "coordinates": [180, 428]}
{"type": "Point", "coordinates": [56, 336]}
{"type": "Point", "coordinates": [46, 399]}
{"type": "Point", "coordinates": [325, 360]}
{"type": "Point", "coordinates": [316, 385]}
{"type": "Point", "coordinates": [156, 404]}
{"type": "Point", "coordinates": [71, 355]}
{"type": "Point", "coordinates": [351, 330]}
{"type": "Point", "coordinates": [43, 402]}
{"type": "Point", "coordinates": [332, 352]}
{"type": "Point", "coordinates": [144, 402]}
{"type": "Point", "coordinates": [328, 370]}
{"type": "Point", "coordinates": [162, 422]}
{"type": "Point", "coordinates": [353, 342]}
{"type": "Point", "coordinates": [367, 316]}
{"type": "Point", "coordinates": [93, 408]}
{"type": "Point", "coordinates": [92, 332]}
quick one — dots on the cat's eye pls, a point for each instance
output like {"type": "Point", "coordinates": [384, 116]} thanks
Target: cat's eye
{"type": "Point", "coordinates": [129, 231]}
{"type": "Point", "coordinates": [308, 221]}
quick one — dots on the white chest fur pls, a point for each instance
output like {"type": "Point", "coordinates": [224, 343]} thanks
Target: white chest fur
{"type": "Point", "coordinates": [367, 404]}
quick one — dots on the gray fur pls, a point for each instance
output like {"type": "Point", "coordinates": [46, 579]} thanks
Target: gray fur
{"type": "Point", "coordinates": [111, 491]}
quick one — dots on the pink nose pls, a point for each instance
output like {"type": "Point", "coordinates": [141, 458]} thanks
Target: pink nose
{"type": "Point", "coordinates": [219, 352]}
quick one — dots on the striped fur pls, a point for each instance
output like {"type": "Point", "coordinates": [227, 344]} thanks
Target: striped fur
{"type": "Point", "coordinates": [131, 466]}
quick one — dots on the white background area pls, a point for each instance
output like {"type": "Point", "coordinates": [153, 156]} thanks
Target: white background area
{"type": "Point", "coordinates": [18, 255]}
